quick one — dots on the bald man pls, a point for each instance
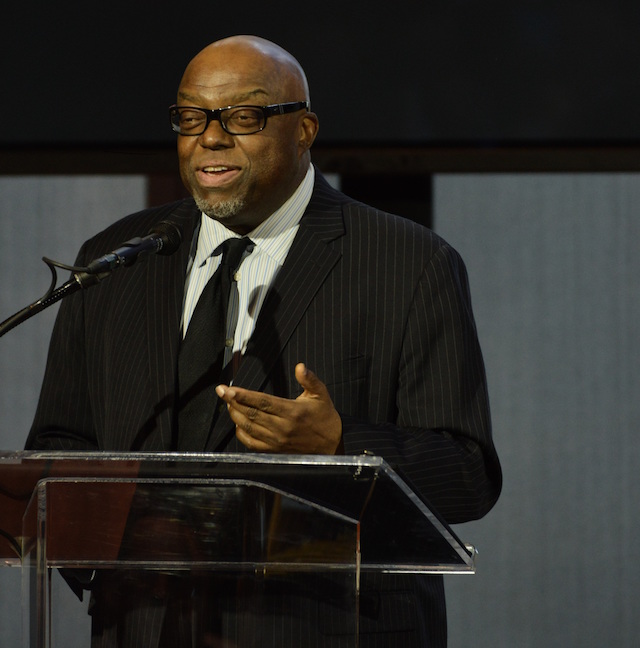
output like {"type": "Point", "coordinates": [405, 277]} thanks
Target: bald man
{"type": "Point", "coordinates": [348, 330]}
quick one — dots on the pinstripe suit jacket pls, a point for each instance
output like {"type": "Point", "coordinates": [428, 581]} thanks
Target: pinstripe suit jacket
{"type": "Point", "coordinates": [377, 306]}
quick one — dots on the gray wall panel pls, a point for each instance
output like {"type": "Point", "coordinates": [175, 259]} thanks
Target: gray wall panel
{"type": "Point", "coordinates": [49, 216]}
{"type": "Point", "coordinates": [555, 277]}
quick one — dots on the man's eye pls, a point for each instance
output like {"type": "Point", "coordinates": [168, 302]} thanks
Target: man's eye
{"type": "Point", "coordinates": [191, 118]}
{"type": "Point", "coordinates": [245, 118]}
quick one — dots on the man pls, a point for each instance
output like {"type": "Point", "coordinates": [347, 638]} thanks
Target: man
{"type": "Point", "coordinates": [354, 330]}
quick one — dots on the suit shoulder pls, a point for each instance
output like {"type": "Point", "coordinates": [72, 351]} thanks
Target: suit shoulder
{"type": "Point", "coordinates": [363, 220]}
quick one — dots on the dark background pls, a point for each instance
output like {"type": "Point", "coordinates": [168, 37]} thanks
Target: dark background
{"type": "Point", "coordinates": [456, 72]}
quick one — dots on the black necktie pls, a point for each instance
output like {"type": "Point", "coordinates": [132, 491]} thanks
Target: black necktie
{"type": "Point", "coordinates": [202, 351]}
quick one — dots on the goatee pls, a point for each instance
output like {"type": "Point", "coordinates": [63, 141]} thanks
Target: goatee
{"type": "Point", "coordinates": [222, 210]}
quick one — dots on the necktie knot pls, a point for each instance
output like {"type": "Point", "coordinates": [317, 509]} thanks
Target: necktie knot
{"type": "Point", "coordinates": [232, 251]}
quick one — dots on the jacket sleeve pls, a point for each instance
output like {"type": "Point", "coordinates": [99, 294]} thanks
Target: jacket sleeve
{"type": "Point", "coordinates": [441, 439]}
{"type": "Point", "coordinates": [63, 419]}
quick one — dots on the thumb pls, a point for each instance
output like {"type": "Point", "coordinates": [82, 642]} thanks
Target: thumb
{"type": "Point", "coordinates": [311, 384]}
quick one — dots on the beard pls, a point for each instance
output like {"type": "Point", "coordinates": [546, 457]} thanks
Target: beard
{"type": "Point", "coordinates": [222, 210]}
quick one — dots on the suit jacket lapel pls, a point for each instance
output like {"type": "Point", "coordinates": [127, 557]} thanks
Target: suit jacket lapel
{"type": "Point", "coordinates": [308, 263]}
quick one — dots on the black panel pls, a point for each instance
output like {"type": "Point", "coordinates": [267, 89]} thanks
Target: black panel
{"type": "Point", "coordinates": [461, 71]}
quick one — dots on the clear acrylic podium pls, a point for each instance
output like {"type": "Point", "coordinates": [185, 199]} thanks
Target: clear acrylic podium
{"type": "Point", "coordinates": [219, 541]}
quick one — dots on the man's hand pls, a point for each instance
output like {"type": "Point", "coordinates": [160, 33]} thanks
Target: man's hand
{"type": "Point", "coordinates": [309, 424]}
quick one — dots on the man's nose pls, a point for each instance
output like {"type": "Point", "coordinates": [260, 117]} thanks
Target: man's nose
{"type": "Point", "coordinates": [215, 135]}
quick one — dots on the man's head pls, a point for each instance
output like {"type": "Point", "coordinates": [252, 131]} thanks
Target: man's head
{"type": "Point", "coordinates": [241, 179]}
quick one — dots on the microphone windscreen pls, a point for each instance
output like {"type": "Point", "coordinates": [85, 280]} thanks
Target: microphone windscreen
{"type": "Point", "coordinates": [171, 236]}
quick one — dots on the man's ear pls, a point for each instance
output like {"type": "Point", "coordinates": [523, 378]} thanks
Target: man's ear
{"type": "Point", "coordinates": [308, 126]}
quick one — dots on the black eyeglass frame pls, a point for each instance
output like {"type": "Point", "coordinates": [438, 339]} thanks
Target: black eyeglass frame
{"type": "Point", "coordinates": [216, 115]}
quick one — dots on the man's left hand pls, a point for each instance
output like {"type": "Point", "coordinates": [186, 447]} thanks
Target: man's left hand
{"type": "Point", "coordinates": [309, 424]}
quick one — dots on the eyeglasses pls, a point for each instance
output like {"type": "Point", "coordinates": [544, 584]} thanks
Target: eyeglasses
{"type": "Point", "coordinates": [235, 120]}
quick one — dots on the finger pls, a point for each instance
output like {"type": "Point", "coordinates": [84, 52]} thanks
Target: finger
{"type": "Point", "coordinates": [223, 392]}
{"type": "Point", "coordinates": [311, 384]}
{"type": "Point", "coordinates": [257, 415]}
{"type": "Point", "coordinates": [245, 400]}
{"type": "Point", "coordinates": [253, 443]}
{"type": "Point", "coordinates": [252, 434]}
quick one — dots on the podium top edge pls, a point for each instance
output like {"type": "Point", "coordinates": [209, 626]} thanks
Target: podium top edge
{"type": "Point", "coordinates": [364, 460]}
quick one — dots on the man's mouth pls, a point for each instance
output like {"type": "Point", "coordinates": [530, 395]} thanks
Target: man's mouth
{"type": "Point", "coordinates": [215, 169]}
{"type": "Point", "coordinates": [216, 175]}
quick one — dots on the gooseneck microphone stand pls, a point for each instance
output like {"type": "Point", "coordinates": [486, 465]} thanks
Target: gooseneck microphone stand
{"type": "Point", "coordinates": [81, 279]}
{"type": "Point", "coordinates": [164, 239]}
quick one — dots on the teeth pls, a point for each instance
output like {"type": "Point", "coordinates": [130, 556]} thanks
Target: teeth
{"type": "Point", "coordinates": [213, 169]}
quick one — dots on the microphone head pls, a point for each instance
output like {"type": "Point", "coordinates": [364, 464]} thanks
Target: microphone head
{"type": "Point", "coordinates": [170, 235]}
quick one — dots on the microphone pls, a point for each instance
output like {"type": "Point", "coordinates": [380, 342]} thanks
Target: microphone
{"type": "Point", "coordinates": [164, 238]}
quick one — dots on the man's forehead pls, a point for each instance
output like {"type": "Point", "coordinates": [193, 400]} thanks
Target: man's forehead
{"type": "Point", "coordinates": [230, 93]}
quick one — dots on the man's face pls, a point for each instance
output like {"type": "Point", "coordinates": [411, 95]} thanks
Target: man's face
{"type": "Point", "coordinates": [241, 179]}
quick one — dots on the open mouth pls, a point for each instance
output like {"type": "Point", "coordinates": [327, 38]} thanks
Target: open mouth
{"type": "Point", "coordinates": [216, 175]}
{"type": "Point", "coordinates": [216, 169]}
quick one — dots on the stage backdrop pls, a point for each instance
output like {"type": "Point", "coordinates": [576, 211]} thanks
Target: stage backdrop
{"type": "Point", "coordinates": [413, 72]}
